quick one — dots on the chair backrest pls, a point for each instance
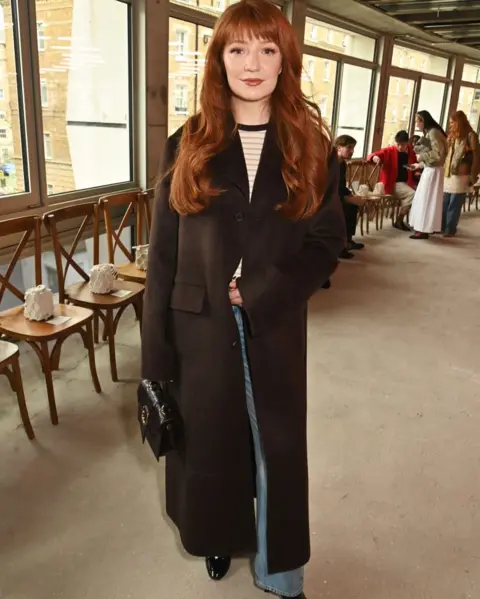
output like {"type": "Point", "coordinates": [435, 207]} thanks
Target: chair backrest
{"type": "Point", "coordinates": [131, 202]}
{"type": "Point", "coordinates": [355, 174]}
{"type": "Point", "coordinates": [372, 174]}
{"type": "Point", "coordinates": [28, 228]}
{"type": "Point", "coordinates": [84, 216]}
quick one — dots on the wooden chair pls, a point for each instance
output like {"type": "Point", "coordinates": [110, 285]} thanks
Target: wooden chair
{"type": "Point", "coordinates": [377, 205]}
{"type": "Point", "coordinates": [79, 294]}
{"type": "Point", "coordinates": [10, 367]}
{"type": "Point", "coordinates": [133, 205]}
{"type": "Point", "coordinates": [38, 334]}
{"type": "Point", "coordinates": [147, 198]}
{"type": "Point", "coordinates": [355, 174]}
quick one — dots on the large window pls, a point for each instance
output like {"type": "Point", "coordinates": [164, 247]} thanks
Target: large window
{"type": "Point", "coordinates": [329, 37]}
{"type": "Point", "coordinates": [13, 166]}
{"type": "Point", "coordinates": [354, 104]}
{"type": "Point", "coordinates": [469, 102]}
{"type": "Point", "coordinates": [187, 47]}
{"type": "Point", "coordinates": [318, 83]}
{"type": "Point", "coordinates": [471, 73]}
{"type": "Point", "coordinates": [399, 108]}
{"type": "Point", "coordinates": [415, 60]}
{"type": "Point", "coordinates": [431, 98]}
{"type": "Point", "coordinates": [84, 57]}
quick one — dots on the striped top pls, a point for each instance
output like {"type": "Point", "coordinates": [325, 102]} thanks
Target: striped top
{"type": "Point", "coordinates": [253, 138]}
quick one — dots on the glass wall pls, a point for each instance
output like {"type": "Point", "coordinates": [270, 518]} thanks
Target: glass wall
{"type": "Point", "coordinates": [415, 60]}
{"type": "Point", "coordinates": [471, 73]}
{"type": "Point", "coordinates": [14, 176]}
{"type": "Point", "coordinates": [469, 102]}
{"type": "Point", "coordinates": [354, 102]}
{"type": "Point", "coordinates": [187, 48]}
{"type": "Point", "coordinates": [431, 98]}
{"type": "Point", "coordinates": [330, 37]}
{"type": "Point", "coordinates": [84, 59]}
{"type": "Point", "coordinates": [399, 108]}
{"type": "Point", "coordinates": [318, 83]}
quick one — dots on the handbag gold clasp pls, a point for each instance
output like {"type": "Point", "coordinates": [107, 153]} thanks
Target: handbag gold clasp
{"type": "Point", "coordinates": [145, 415]}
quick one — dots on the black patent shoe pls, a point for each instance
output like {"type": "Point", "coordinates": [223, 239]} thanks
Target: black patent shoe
{"type": "Point", "coordinates": [218, 567]}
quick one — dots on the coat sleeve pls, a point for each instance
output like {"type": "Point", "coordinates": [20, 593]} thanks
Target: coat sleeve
{"type": "Point", "coordinates": [158, 360]}
{"type": "Point", "coordinates": [476, 156]}
{"type": "Point", "coordinates": [380, 154]}
{"type": "Point", "coordinates": [296, 279]}
{"type": "Point", "coordinates": [437, 153]}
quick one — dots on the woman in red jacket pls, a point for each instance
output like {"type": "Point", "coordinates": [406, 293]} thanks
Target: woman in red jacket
{"type": "Point", "coordinates": [398, 179]}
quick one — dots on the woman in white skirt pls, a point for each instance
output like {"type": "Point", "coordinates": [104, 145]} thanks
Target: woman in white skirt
{"type": "Point", "coordinates": [426, 213]}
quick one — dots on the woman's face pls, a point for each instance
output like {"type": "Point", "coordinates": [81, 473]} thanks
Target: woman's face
{"type": "Point", "coordinates": [252, 68]}
{"type": "Point", "coordinates": [419, 123]}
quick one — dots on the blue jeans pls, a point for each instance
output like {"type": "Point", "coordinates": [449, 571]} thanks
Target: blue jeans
{"type": "Point", "coordinates": [452, 209]}
{"type": "Point", "coordinates": [287, 584]}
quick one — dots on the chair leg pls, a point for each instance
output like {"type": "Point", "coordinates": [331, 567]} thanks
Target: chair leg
{"type": "Point", "coordinates": [110, 331]}
{"type": "Point", "coordinates": [88, 342]}
{"type": "Point", "coordinates": [47, 369]}
{"type": "Point", "coordinates": [95, 328]}
{"type": "Point", "coordinates": [139, 312]}
{"type": "Point", "coordinates": [22, 404]}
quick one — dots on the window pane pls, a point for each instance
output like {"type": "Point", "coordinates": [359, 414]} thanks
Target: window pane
{"type": "Point", "coordinates": [471, 73]}
{"type": "Point", "coordinates": [431, 98]}
{"type": "Point", "coordinates": [419, 61]}
{"type": "Point", "coordinates": [399, 108]}
{"type": "Point", "coordinates": [13, 165]}
{"type": "Point", "coordinates": [469, 102]}
{"type": "Point", "coordinates": [318, 83]}
{"type": "Point", "coordinates": [85, 90]}
{"type": "Point", "coordinates": [212, 7]}
{"type": "Point", "coordinates": [329, 37]}
{"type": "Point", "coordinates": [354, 100]}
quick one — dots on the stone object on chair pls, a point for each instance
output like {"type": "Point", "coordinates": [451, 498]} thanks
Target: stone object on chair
{"type": "Point", "coordinates": [38, 303]}
{"type": "Point", "coordinates": [141, 256]}
{"type": "Point", "coordinates": [379, 189]}
{"type": "Point", "coordinates": [102, 278]}
{"type": "Point", "coordinates": [363, 190]}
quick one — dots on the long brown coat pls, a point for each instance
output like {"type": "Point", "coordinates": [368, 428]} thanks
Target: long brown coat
{"type": "Point", "coordinates": [190, 336]}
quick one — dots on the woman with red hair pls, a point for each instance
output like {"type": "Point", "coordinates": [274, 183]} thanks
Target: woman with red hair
{"type": "Point", "coordinates": [461, 170]}
{"type": "Point", "coordinates": [247, 226]}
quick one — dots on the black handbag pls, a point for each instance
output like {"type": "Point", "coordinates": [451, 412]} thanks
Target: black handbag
{"type": "Point", "coordinates": [159, 418]}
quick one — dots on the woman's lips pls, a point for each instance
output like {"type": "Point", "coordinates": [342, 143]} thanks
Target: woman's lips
{"type": "Point", "coordinates": [253, 82]}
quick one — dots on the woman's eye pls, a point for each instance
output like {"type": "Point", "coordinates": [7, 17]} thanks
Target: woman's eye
{"type": "Point", "coordinates": [236, 50]}
{"type": "Point", "coordinates": [270, 51]}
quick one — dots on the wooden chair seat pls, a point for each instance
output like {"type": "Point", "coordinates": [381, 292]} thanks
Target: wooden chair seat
{"type": "Point", "coordinates": [13, 322]}
{"type": "Point", "coordinates": [10, 367]}
{"type": "Point", "coordinates": [129, 272]}
{"type": "Point", "coordinates": [80, 294]}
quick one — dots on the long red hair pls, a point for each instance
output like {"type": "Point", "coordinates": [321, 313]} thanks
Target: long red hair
{"type": "Point", "coordinates": [302, 136]}
{"type": "Point", "coordinates": [459, 126]}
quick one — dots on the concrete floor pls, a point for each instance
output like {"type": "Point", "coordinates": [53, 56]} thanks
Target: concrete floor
{"type": "Point", "coordinates": [394, 423]}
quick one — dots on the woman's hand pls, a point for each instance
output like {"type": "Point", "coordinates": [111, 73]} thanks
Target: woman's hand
{"type": "Point", "coordinates": [234, 294]}
{"type": "Point", "coordinates": [377, 160]}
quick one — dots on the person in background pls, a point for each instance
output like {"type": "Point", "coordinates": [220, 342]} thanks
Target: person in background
{"type": "Point", "coordinates": [417, 173]}
{"type": "Point", "coordinates": [461, 170]}
{"type": "Point", "coordinates": [431, 150]}
{"type": "Point", "coordinates": [345, 145]}
{"type": "Point", "coordinates": [396, 177]}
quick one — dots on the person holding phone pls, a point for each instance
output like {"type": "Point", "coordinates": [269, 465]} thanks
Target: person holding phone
{"type": "Point", "coordinates": [397, 174]}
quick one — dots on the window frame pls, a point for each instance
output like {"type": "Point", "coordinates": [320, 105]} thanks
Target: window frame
{"type": "Point", "coordinates": [29, 78]}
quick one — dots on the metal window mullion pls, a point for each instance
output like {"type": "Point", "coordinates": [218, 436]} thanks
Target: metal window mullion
{"type": "Point", "coordinates": [337, 93]}
{"type": "Point", "coordinates": [26, 113]}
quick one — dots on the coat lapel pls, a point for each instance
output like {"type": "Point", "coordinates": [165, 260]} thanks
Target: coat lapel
{"type": "Point", "coordinates": [230, 164]}
{"type": "Point", "coordinates": [269, 188]}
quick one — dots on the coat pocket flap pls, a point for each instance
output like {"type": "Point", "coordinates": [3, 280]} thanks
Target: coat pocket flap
{"type": "Point", "coordinates": [187, 297]}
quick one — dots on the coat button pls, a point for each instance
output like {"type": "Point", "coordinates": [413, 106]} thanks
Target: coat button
{"type": "Point", "coordinates": [238, 216]}
{"type": "Point", "coordinates": [234, 344]}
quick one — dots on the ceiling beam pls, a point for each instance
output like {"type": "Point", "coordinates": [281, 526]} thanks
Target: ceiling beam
{"type": "Point", "coordinates": [447, 17]}
{"type": "Point", "coordinates": [398, 8]}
